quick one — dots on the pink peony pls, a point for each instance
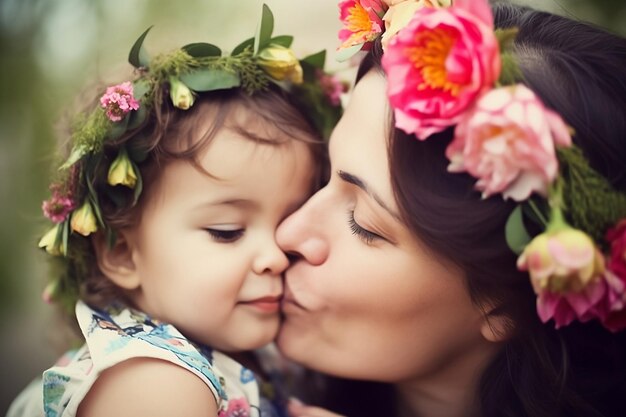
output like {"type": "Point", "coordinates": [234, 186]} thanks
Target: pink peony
{"type": "Point", "coordinates": [118, 100]}
{"type": "Point", "coordinates": [507, 141]}
{"type": "Point", "coordinates": [439, 64]}
{"type": "Point", "coordinates": [400, 13]}
{"type": "Point", "coordinates": [362, 21]}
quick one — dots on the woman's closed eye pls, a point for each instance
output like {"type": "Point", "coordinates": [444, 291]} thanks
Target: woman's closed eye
{"type": "Point", "coordinates": [363, 234]}
{"type": "Point", "coordinates": [225, 235]}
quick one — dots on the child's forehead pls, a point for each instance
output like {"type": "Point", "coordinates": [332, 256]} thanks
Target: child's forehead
{"type": "Point", "coordinates": [215, 118]}
{"type": "Point", "coordinates": [234, 167]}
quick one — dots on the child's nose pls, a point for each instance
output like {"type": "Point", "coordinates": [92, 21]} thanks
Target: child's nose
{"type": "Point", "coordinates": [271, 260]}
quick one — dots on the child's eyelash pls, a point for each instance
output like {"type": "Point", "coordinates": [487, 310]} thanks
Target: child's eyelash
{"type": "Point", "coordinates": [225, 236]}
{"type": "Point", "coordinates": [361, 233]}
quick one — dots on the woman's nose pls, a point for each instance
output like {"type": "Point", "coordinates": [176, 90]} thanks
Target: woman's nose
{"type": "Point", "coordinates": [302, 234]}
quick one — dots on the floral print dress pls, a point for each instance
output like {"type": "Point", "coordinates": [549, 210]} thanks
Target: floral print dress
{"type": "Point", "coordinates": [119, 333]}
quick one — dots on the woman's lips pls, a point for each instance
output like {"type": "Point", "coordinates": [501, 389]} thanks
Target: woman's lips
{"type": "Point", "coordinates": [268, 304]}
{"type": "Point", "coordinates": [290, 304]}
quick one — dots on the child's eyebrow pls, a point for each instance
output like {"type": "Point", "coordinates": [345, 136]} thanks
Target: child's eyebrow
{"type": "Point", "coordinates": [237, 202]}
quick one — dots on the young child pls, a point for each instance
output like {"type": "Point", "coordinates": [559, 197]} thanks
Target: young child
{"type": "Point", "coordinates": [165, 218]}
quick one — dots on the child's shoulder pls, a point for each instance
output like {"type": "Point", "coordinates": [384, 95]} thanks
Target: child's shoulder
{"type": "Point", "coordinates": [119, 339]}
{"type": "Point", "coordinates": [146, 386]}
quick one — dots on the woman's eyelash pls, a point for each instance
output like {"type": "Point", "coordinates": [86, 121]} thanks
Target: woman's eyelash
{"type": "Point", "coordinates": [225, 236]}
{"type": "Point", "coordinates": [362, 233]}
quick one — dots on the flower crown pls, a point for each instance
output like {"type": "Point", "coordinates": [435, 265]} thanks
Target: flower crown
{"type": "Point", "coordinates": [74, 206]}
{"type": "Point", "coordinates": [446, 67]}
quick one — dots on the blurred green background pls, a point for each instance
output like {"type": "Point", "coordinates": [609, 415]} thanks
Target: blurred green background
{"type": "Point", "coordinates": [51, 49]}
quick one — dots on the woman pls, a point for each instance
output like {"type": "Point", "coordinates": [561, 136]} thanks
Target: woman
{"type": "Point", "coordinates": [402, 272]}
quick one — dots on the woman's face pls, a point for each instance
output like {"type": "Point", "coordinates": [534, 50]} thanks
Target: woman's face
{"type": "Point", "coordinates": [365, 299]}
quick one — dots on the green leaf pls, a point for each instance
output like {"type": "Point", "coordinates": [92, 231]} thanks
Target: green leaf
{"type": "Point", "coordinates": [119, 128]}
{"type": "Point", "coordinates": [202, 50]}
{"type": "Point", "coordinates": [137, 117]}
{"type": "Point", "coordinates": [210, 79]}
{"type": "Point", "coordinates": [137, 152]}
{"type": "Point", "coordinates": [510, 72]}
{"type": "Point", "coordinates": [77, 152]}
{"type": "Point", "coordinates": [138, 57]}
{"type": "Point", "coordinates": [516, 235]}
{"type": "Point", "coordinates": [111, 237]}
{"type": "Point", "coordinates": [347, 53]}
{"type": "Point", "coordinates": [264, 30]}
{"type": "Point", "coordinates": [317, 60]}
{"type": "Point", "coordinates": [242, 46]}
{"type": "Point", "coordinates": [506, 37]}
{"type": "Point", "coordinates": [283, 40]}
{"type": "Point", "coordinates": [65, 230]}
{"type": "Point", "coordinates": [140, 88]}
{"type": "Point", "coordinates": [93, 198]}
{"type": "Point", "coordinates": [138, 184]}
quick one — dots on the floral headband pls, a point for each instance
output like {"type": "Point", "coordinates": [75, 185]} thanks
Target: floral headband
{"type": "Point", "coordinates": [446, 67]}
{"type": "Point", "coordinates": [74, 206]}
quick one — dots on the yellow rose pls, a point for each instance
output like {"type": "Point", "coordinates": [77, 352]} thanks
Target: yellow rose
{"type": "Point", "coordinates": [400, 13]}
{"type": "Point", "coordinates": [83, 220]}
{"type": "Point", "coordinates": [280, 63]}
{"type": "Point", "coordinates": [182, 97]}
{"type": "Point", "coordinates": [49, 241]}
{"type": "Point", "coordinates": [561, 261]}
{"type": "Point", "coordinates": [121, 171]}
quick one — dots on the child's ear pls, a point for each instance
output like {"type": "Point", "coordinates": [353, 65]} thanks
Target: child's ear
{"type": "Point", "coordinates": [116, 262]}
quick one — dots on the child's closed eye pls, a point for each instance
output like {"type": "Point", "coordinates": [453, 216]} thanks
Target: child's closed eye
{"type": "Point", "coordinates": [225, 235]}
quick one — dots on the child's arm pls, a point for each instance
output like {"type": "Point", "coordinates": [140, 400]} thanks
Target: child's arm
{"type": "Point", "coordinates": [148, 387]}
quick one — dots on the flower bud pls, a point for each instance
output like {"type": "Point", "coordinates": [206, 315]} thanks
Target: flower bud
{"type": "Point", "coordinates": [182, 97]}
{"type": "Point", "coordinates": [121, 171]}
{"type": "Point", "coordinates": [565, 260]}
{"type": "Point", "coordinates": [49, 241]}
{"type": "Point", "coordinates": [83, 220]}
{"type": "Point", "coordinates": [280, 63]}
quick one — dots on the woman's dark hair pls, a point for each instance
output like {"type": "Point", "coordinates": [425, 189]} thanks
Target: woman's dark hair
{"type": "Point", "coordinates": [580, 370]}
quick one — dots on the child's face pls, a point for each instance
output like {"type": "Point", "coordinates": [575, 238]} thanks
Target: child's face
{"type": "Point", "coordinates": [204, 253]}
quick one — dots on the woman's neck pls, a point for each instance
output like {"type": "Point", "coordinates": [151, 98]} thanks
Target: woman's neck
{"type": "Point", "coordinates": [451, 391]}
{"type": "Point", "coordinates": [451, 402]}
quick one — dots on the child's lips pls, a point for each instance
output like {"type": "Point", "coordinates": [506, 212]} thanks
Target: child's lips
{"type": "Point", "coordinates": [268, 304]}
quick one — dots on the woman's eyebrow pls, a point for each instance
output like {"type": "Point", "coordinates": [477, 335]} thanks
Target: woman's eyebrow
{"type": "Point", "coordinates": [353, 179]}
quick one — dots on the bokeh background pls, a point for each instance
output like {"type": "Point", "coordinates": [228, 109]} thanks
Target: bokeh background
{"type": "Point", "coordinates": [50, 50]}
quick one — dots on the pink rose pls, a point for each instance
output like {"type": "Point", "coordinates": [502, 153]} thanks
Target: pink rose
{"type": "Point", "coordinates": [118, 100]}
{"type": "Point", "coordinates": [362, 21]}
{"type": "Point", "coordinates": [507, 141]}
{"type": "Point", "coordinates": [439, 64]}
